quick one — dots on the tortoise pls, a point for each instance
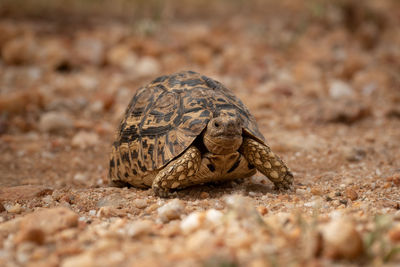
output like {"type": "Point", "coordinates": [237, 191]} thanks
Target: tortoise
{"type": "Point", "coordinates": [185, 129]}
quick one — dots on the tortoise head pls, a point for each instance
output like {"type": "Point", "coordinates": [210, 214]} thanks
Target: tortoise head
{"type": "Point", "coordinates": [223, 134]}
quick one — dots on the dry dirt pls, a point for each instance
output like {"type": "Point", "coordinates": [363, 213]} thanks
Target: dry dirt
{"type": "Point", "coordinates": [322, 80]}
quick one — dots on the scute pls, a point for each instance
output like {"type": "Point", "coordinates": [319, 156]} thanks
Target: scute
{"type": "Point", "coordinates": [164, 118]}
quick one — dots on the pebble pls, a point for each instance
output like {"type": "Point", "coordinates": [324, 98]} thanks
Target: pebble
{"type": "Point", "coordinates": [192, 222]}
{"type": "Point", "coordinates": [14, 208]}
{"type": "Point", "coordinates": [171, 211]}
{"type": "Point", "coordinates": [214, 216]}
{"type": "Point", "coordinates": [316, 191]}
{"type": "Point", "coordinates": [139, 203]}
{"type": "Point", "coordinates": [340, 89]}
{"type": "Point", "coordinates": [262, 210]}
{"type": "Point", "coordinates": [147, 66]}
{"type": "Point", "coordinates": [351, 194]}
{"type": "Point", "coordinates": [80, 177]}
{"type": "Point", "coordinates": [313, 204]}
{"type": "Point", "coordinates": [85, 140]}
{"type": "Point", "coordinates": [55, 121]}
{"type": "Point", "coordinates": [341, 240]}
{"type": "Point", "coordinates": [140, 227]}
{"type": "Point", "coordinates": [110, 211]}
{"type": "Point", "coordinates": [123, 57]}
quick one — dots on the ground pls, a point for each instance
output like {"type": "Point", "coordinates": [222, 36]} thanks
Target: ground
{"type": "Point", "coordinates": [321, 78]}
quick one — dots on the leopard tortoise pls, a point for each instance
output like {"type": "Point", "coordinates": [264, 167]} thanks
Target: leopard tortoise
{"type": "Point", "coordinates": [185, 129]}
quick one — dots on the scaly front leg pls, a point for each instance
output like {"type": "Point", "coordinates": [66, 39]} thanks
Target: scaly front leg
{"type": "Point", "coordinates": [267, 163]}
{"type": "Point", "coordinates": [177, 173]}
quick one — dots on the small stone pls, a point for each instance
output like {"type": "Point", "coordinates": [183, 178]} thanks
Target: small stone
{"type": "Point", "coordinates": [192, 222]}
{"type": "Point", "coordinates": [262, 210]}
{"type": "Point", "coordinates": [110, 211]}
{"type": "Point", "coordinates": [55, 121]}
{"type": "Point", "coordinates": [341, 240]}
{"type": "Point", "coordinates": [351, 194]}
{"type": "Point", "coordinates": [316, 191]}
{"type": "Point", "coordinates": [16, 208]}
{"type": "Point", "coordinates": [171, 211]}
{"type": "Point", "coordinates": [140, 227]}
{"type": "Point", "coordinates": [85, 139]}
{"type": "Point", "coordinates": [340, 89]}
{"type": "Point", "coordinates": [140, 203]}
{"type": "Point", "coordinates": [313, 204]}
{"type": "Point", "coordinates": [147, 66]}
{"type": "Point", "coordinates": [80, 177]}
{"type": "Point", "coordinates": [123, 57]}
{"type": "Point", "coordinates": [242, 207]}
{"type": "Point", "coordinates": [214, 216]}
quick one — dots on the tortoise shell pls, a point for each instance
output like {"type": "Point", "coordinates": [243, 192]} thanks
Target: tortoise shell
{"type": "Point", "coordinates": [165, 117]}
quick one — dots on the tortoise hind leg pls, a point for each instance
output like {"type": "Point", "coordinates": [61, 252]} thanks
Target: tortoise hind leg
{"type": "Point", "coordinates": [267, 163]}
{"type": "Point", "coordinates": [176, 174]}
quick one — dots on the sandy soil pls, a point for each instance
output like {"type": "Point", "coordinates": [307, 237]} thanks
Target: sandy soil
{"type": "Point", "coordinates": [322, 80]}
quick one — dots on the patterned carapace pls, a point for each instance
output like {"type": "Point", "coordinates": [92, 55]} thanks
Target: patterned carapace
{"type": "Point", "coordinates": [165, 117]}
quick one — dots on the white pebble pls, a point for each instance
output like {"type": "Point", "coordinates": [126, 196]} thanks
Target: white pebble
{"type": "Point", "coordinates": [192, 222]}
{"type": "Point", "coordinates": [214, 216]}
{"type": "Point", "coordinates": [140, 227]}
{"type": "Point", "coordinates": [339, 89]}
{"type": "Point", "coordinates": [171, 211]}
{"type": "Point", "coordinates": [55, 122]}
{"type": "Point", "coordinates": [81, 177]}
{"type": "Point", "coordinates": [16, 208]}
{"type": "Point", "coordinates": [85, 139]}
{"type": "Point", "coordinates": [147, 66]}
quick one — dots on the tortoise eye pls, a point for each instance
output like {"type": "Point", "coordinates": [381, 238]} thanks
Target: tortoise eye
{"type": "Point", "coordinates": [216, 124]}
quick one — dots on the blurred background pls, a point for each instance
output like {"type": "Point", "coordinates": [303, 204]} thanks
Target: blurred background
{"type": "Point", "coordinates": [307, 70]}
